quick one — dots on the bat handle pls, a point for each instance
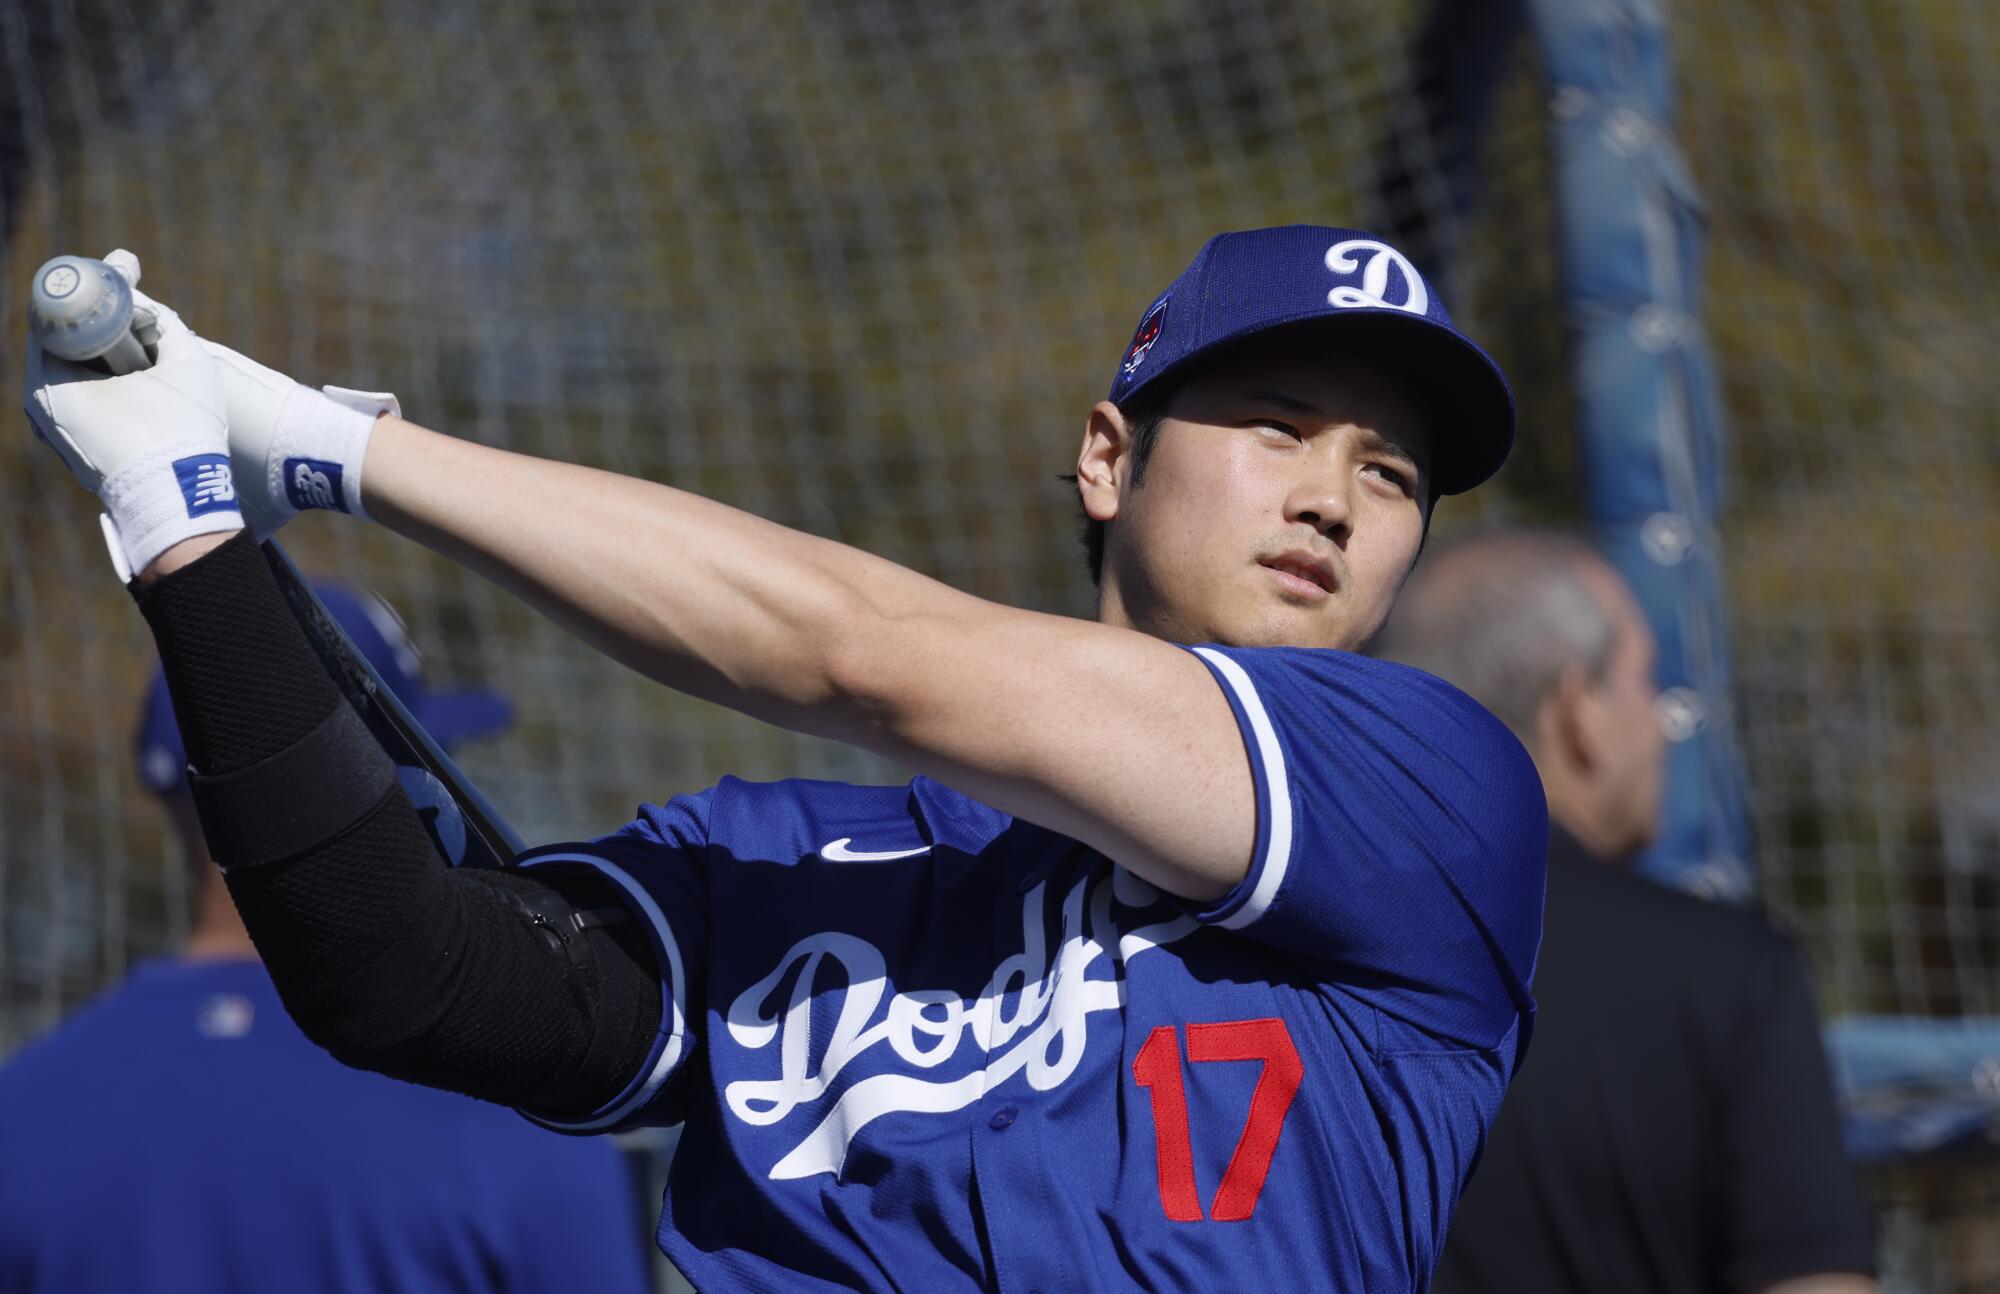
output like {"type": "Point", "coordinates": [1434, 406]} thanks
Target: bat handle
{"type": "Point", "coordinates": [126, 355]}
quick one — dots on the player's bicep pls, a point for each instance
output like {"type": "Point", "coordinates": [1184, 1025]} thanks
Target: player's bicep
{"type": "Point", "coordinates": [1108, 736]}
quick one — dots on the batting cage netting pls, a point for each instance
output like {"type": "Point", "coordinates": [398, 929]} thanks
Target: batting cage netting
{"type": "Point", "coordinates": [862, 267]}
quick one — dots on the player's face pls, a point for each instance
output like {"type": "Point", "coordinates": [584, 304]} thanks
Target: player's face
{"type": "Point", "coordinates": [1282, 505]}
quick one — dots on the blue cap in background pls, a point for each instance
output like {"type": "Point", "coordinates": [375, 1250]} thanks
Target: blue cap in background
{"type": "Point", "coordinates": [1242, 284]}
{"type": "Point", "coordinates": [379, 635]}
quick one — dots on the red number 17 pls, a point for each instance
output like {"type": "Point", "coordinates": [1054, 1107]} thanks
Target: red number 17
{"type": "Point", "coordinates": [1157, 1068]}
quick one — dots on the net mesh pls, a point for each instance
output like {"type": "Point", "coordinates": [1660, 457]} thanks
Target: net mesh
{"type": "Point", "coordinates": [861, 268]}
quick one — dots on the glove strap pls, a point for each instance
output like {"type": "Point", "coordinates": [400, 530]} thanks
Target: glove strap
{"type": "Point", "coordinates": [318, 445]}
{"type": "Point", "coordinates": [296, 800]}
{"type": "Point", "coordinates": [158, 499]}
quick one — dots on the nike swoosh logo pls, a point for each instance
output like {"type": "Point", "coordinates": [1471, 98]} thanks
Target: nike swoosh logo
{"type": "Point", "coordinates": [837, 851]}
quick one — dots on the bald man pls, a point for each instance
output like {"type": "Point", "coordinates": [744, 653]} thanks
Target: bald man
{"type": "Point", "coordinates": [1674, 1128]}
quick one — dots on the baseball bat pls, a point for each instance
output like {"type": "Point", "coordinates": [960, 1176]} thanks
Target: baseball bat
{"type": "Point", "coordinates": [81, 310]}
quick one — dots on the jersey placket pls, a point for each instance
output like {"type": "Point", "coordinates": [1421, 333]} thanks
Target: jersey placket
{"type": "Point", "coordinates": [1034, 1243]}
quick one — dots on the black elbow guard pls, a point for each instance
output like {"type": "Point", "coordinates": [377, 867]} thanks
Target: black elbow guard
{"type": "Point", "coordinates": [580, 913]}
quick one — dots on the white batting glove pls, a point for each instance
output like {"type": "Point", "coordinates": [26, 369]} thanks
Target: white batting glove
{"type": "Point", "coordinates": [294, 448]}
{"type": "Point", "coordinates": [151, 445]}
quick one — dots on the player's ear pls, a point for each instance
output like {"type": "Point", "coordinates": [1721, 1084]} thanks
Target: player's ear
{"type": "Point", "coordinates": [1103, 463]}
{"type": "Point", "coordinates": [1571, 721]}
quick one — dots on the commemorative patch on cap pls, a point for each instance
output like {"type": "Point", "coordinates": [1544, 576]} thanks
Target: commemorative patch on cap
{"type": "Point", "coordinates": [1142, 340]}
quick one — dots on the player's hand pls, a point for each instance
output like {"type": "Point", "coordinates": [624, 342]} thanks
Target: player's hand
{"type": "Point", "coordinates": [293, 447]}
{"type": "Point", "coordinates": [152, 445]}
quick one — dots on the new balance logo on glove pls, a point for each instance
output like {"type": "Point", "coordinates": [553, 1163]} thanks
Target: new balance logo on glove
{"type": "Point", "coordinates": [206, 483]}
{"type": "Point", "coordinates": [314, 483]}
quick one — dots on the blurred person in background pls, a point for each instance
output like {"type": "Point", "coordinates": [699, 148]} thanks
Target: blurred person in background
{"type": "Point", "coordinates": [1675, 1128]}
{"type": "Point", "coordinates": [180, 1133]}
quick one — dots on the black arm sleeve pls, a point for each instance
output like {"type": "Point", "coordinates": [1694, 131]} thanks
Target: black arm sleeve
{"type": "Point", "coordinates": [383, 955]}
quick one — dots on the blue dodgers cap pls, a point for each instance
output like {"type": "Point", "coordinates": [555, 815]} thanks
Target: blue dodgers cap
{"type": "Point", "coordinates": [1375, 303]}
{"type": "Point", "coordinates": [379, 635]}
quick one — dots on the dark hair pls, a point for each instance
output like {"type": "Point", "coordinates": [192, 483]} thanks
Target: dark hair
{"type": "Point", "coordinates": [1143, 414]}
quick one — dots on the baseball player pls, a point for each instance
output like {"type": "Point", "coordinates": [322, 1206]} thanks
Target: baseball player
{"type": "Point", "coordinates": [1197, 952]}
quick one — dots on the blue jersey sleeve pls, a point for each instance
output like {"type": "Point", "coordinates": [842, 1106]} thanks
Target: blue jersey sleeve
{"type": "Point", "coordinates": [659, 864]}
{"type": "Point", "coordinates": [1402, 839]}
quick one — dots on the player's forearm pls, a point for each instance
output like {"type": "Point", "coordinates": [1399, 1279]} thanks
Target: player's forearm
{"type": "Point", "coordinates": [705, 598]}
{"type": "Point", "coordinates": [183, 553]}
{"type": "Point", "coordinates": [383, 955]}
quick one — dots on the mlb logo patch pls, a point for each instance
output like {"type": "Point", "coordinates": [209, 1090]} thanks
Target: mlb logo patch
{"type": "Point", "coordinates": [314, 483]}
{"type": "Point", "coordinates": [226, 1015]}
{"type": "Point", "coordinates": [206, 484]}
{"type": "Point", "coordinates": [1142, 341]}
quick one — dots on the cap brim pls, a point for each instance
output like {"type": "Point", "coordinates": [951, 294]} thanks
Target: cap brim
{"type": "Point", "coordinates": [1471, 407]}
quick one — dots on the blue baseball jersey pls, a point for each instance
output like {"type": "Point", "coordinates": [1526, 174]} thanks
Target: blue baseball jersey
{"type": "Point", "coordinates": [920, 1044]}
{"type": "Point", "coordinates": [181, 1134]}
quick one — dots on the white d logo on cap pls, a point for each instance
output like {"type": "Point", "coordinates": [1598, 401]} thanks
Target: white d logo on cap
{"type": "Point", "coordinates": [1375, 277]}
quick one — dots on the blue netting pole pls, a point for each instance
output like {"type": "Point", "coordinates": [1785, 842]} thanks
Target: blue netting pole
{"type": "Point", "coordinates": [1631, 235]}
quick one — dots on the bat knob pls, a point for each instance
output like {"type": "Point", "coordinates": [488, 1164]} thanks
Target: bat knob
{"type": "Point", "coordinates": [79, 308]}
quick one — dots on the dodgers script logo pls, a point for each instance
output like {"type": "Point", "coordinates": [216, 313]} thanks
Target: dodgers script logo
{"type": "Point", "coordinates": [1030, 1019]}
{"type": "Point", "coordinates": [1375, 277]}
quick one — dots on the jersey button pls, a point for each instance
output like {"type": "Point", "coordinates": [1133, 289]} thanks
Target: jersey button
{"type": "Point", "coordinates": [1001, 1118]}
